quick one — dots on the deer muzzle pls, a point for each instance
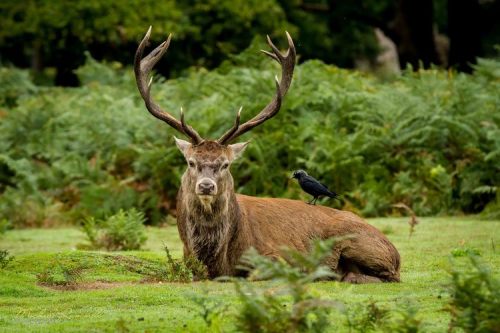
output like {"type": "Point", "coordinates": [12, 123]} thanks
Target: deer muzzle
{"type": "Point", "coordinates": [206, 186]}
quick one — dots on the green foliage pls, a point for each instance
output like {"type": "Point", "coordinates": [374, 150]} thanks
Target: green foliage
{"type": "Point", "coordinates": [430, 140]}
{"type": "Point", "coordinates": [187, 270]}
{"type": "Point", "coordinates": [361, 318]}
{"type": "Point", "coordinates": [487, 69]}
{"type": "Point", "coordinates": [297, 269]}
{"type": "Point", "coordinates": [4, 226]}
{"type": "Point", "coordinates": [375, 318]}
{"type": "Point", "coordinates": [5, 258]}
{"type": "Point", "coordinates": [475, 298]}
{"type": "Point", "coordinates": [198, 270]}
{"type": "Point", "coordinates": [210, 309]}
{"type": "Point", "coordinates": [14, 85]}
{"type": "Point", "coordinates": [173, 270]}
{"type": "Point", "coordinates": [176, 271]}
{"type": "Point", "coordinates": [89, 21]}
{"type": "Point", "coordinates": [122, 326]}
{"type": "Point", "coordinates": [387, 230]}
{"type": "Point", "coordinates": [492, 209]}
{"type": "Point", "coordinates": [286, 304]}
{"type": "Point", "coordinates": [61, 274]}
{"type": "Point", "coordinates": [168, 306]}
{"type": "Point", "coordinates": [465, 251]}
{"type": "Point", "coordinates": [120, 232]}
{"type": "Point", "coordinates": [94, 72]}
{"type": "Point", "coordinates": [222, 27]}
{"type": "Point", "coordinates": [405, 320]}
{"type": "Point", "coordinates": [58, 33]}
{"type": "Point", "coordinates": [65, 269]}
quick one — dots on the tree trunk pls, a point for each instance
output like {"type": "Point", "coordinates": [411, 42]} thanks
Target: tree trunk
{"type": "Point", "coordinates": [36, 56]}
{"type": "Point", "coordinates": [413, 27]}
{"type": "Point", "coordinates": [464, 25]}
{"type": "Point", "coordinates": [67, 59]}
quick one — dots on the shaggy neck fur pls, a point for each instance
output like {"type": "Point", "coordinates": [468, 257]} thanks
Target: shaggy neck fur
{"type": "Point", "coordinates": [210, 225]}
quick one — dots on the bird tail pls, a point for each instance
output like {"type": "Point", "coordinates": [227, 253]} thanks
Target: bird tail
{"type": "Point", "coordinates": [334, 196]}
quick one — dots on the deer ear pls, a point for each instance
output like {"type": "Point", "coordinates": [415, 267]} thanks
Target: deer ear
{"type": "Point", "coordinates": [238, 149]}
{"type": "Point", "coordinates": [183, 145]}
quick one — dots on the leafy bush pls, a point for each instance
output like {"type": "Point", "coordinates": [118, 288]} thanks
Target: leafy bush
{"type": "Point", "coordinates": [365, 318]}
{"type": "Point", "coordinates": [475, 298]}
{"type": "Point", "coordinates": [429, 139]}
{"type": "Point", "coordinates": [284, 302]}
{"type": "Point", "coordinates": [5, 258]}
{"type": "Point", "coordinates": [120, 232]}
{"type": "Point", "coordinates": [186, 270]}
{"type": "Point", "coordinates": [210, 309]}
{"type": "Point", "coordinates": [464, 251]}
{"type": "Point", "coordinates": [286, 305]}
{"type": "Point", "coordinates": [15, 84]}
{"type": "Point", "coordinates": [405, 320]}
{"type": "Point", "coordinates": [375, 318]}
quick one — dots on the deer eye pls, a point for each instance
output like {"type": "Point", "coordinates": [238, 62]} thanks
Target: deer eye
{"type": "Point", "coordinates": [225, 166]}
{"type": "Point", "coordinates": [191, 164]}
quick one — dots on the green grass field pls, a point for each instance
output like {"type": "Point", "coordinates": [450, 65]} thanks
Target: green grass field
{"type": "Point", "coordinates": [112, 295]}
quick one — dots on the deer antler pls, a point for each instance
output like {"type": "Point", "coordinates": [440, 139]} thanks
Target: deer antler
{"type": "Point", "coordinates": [142, 68]}
{"type": "Point", "coordinates": [287, 62]}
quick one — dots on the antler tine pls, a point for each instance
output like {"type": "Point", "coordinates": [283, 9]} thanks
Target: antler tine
{"type": "Point", "coordinates": [142, 68]}
{"type": "Point", "coordinates": [233, 129]}
{"type": "Point", "coordinates": [287, 62]}
{"type": "Point", "coordinates": [188, 129]}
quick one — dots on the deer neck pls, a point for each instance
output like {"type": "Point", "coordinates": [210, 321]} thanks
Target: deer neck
{"type": "Point", "coordinates": [211, 225]}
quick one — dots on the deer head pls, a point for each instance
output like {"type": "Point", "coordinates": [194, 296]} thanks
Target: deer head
{"type": "Point", "coordinates": [207, 175]}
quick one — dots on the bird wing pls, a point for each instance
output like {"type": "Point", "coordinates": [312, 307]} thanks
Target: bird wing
{"type": "Point", "coordinates": [318, 187]}
{"type": "Point", "coordinates": [313, 187]}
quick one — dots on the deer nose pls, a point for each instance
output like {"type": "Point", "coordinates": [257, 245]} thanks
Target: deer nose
{"type": "Point", "coordinates": [206, 187]}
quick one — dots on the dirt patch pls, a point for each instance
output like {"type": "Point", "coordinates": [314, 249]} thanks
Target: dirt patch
{"type": "Point", "coordinates": [95, 285]}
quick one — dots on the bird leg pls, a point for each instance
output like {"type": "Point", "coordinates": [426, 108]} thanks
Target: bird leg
{"type": "Point", "coordinates": [313, 201]}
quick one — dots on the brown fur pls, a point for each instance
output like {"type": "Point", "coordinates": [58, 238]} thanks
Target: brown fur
{"type": "Point", "coordinates": [217, 226]}
{"type": "Point", "coordinates": [219, 233]}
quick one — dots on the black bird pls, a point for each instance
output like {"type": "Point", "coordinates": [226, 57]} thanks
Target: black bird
{"type": "Point", "coordinates": [313, 187]}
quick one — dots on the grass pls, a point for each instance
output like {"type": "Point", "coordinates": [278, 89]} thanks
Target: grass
{"type": "Point", "coordinates": [111, 297]}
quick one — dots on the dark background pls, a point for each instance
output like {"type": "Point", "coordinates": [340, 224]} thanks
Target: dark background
{"type": "Point", "coordinates": [50, 37]}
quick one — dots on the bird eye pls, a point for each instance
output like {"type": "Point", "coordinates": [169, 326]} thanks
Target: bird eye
{"type": "Point", "coordinates": [191, 164]}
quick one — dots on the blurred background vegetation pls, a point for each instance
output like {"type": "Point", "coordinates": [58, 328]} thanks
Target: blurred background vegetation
{"type": "Point", "coordinates": [425, 132]}
{"type": "Point", "coordinates": [47, 34]}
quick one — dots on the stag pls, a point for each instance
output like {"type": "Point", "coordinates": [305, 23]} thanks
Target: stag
{"type": "Point", "coordinates": [217, 226]}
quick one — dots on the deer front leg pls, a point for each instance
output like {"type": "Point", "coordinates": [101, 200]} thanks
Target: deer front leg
{"type": "Point", "coordinates": [333, 260]}
{"type": "Point", "coordinates": [358, 278]}
{"type": "Point", "coordinates": [187, 252]}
